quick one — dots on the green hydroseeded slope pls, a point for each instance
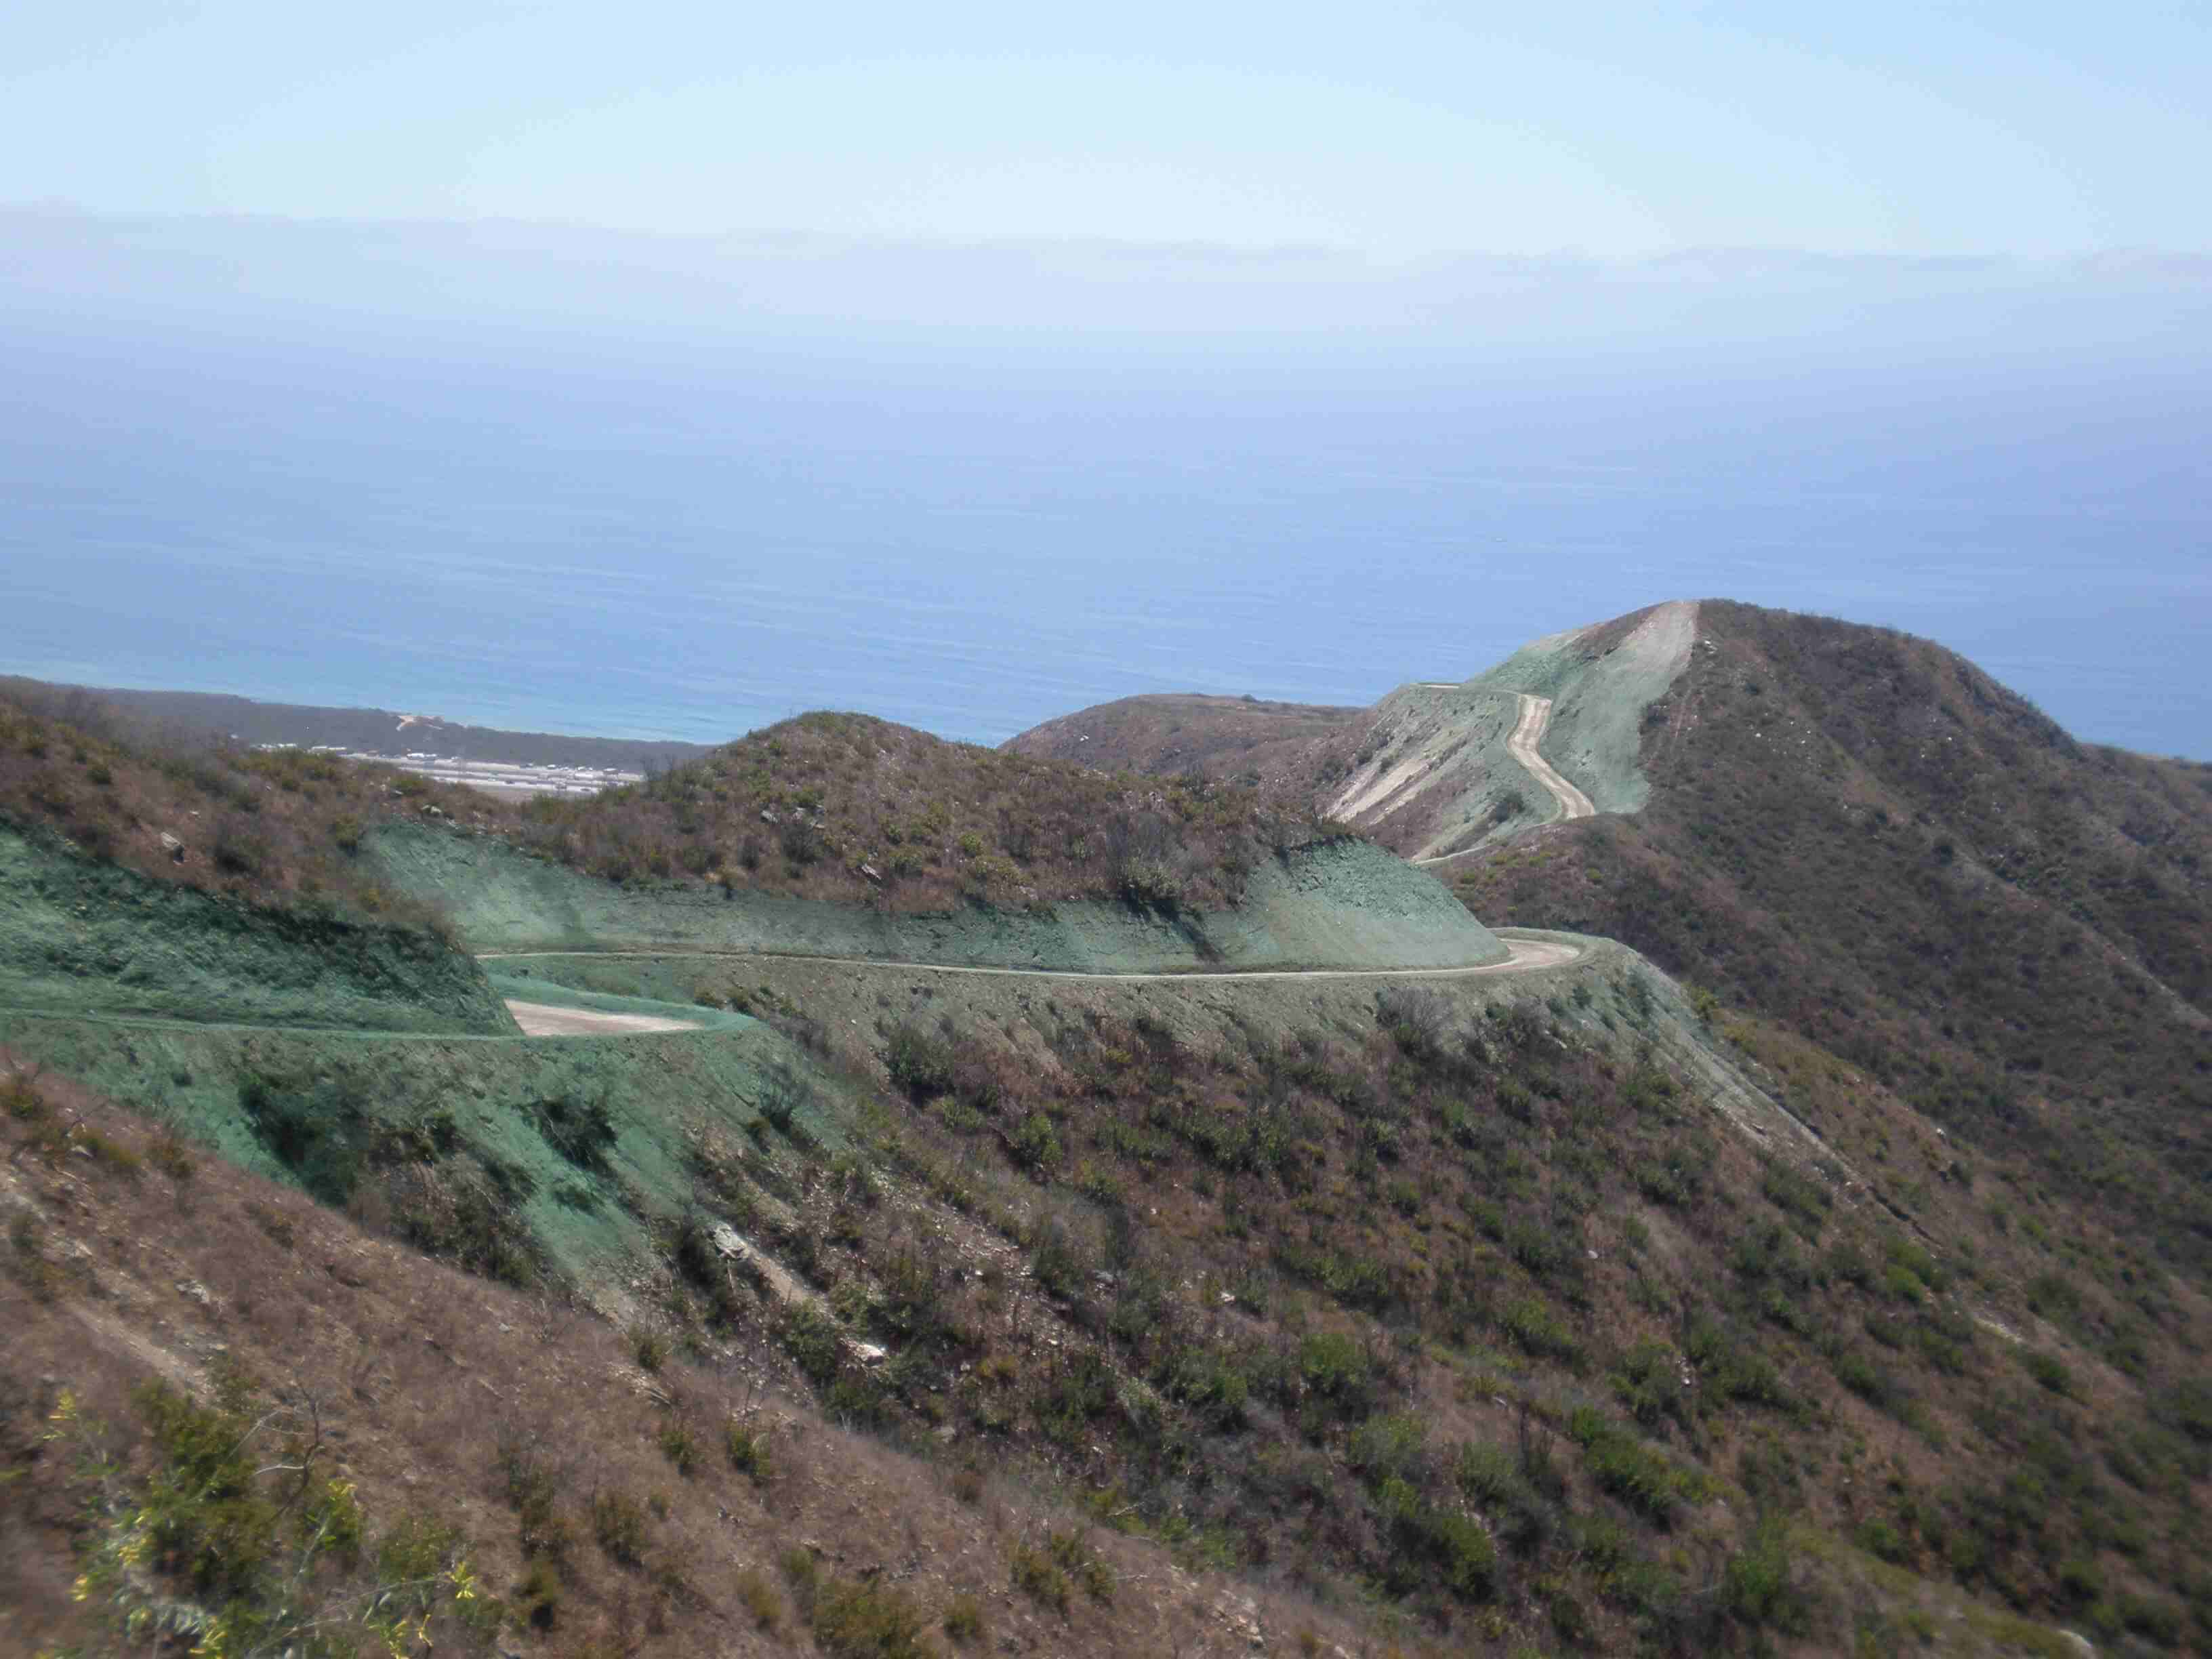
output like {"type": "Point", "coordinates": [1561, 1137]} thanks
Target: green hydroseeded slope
{"type": "Point", "coordinates": [79, 935]}
{"type": "Point", "coordinates": [1344, 904]}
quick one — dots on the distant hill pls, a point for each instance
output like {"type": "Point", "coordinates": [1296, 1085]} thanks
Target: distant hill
{"type": "Point", "coordinates": [203, 884]}
{"type": "Point", "coordinates": [276, 827]}
{"type": "Point", "coordinates": [1242, 740]}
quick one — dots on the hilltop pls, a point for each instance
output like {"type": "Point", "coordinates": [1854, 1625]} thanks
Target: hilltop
{"type": "Point", "coordinates": [1867, 838]}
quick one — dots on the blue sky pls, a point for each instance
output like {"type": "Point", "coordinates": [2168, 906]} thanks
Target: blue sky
{"type": "Point", "coordinates": [1400, 131]}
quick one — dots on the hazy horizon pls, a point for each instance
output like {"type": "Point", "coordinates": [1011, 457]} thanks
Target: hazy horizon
{"type": "Point", "coordinates": [666, 375]}
{"type": "Point", "coordinates": [327, 464]}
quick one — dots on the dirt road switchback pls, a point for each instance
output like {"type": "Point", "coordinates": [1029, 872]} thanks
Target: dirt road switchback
{"type": "Point", "coordinates": [1535, 716]}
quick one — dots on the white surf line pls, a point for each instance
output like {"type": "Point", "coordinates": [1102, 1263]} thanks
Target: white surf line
{"type": "Point", "coordinates": [1535, 716]}
{"type": "Point", "coordinates": [1521, 956]}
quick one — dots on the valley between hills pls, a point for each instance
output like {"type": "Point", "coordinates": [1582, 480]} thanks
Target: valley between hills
{"type": "Point", "coordinates": [1690, 1141]}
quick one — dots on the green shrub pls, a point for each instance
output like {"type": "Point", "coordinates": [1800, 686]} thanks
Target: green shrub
{"type": "Point", "coordinates": [748, 1451]}
{"type": "Point", "coordinates": [1646, 1480]}
{"type": "Point", "coordinates": [649, 1347]}
{"type": "Point", "coordinates": [1035, 1143]}
{"type": "Point", "coordinates": [919, 1063]}
{"type": "Point", "coordinates": [1488, 1474]}
{"type": "Point", "coordinates": [1756, 1587]}
{"type": "Point", "coordinates": [681, 1448]}
{"type": "Point", "coordinates": [811, 1337]}
{"type": "Point", "coordinates": [2048, 1371]}
{"type": "Point", "coordinates": [760, 1600]}
{"type": "Point", "coordinates": [1037, 1576]}
{"type": "Point", "coordinates": [619, 1521]}
{"type": "Point", "coordinates": [1531, 1323]}
{"type": "Point", "coordinates": [1334, 1366]}
{"type": "Point", "coordinates": [538, 1596]}
{"type": "Point", "coordinates": [112, 1155]}
{"type": "Point", "coordinates": [963, 1620]}
{"type": "Point", "coordinates": [866, 1620]}
{"type": "Point", "coordinates": [1386, 1447]}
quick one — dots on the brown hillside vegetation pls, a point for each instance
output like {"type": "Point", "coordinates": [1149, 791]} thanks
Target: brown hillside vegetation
{"type": "Point", "coordinates": [1864, 837]}
{"type": "Point", "coordinates": [846, 806]}
{"type": "Point", "coordinates": [273, 827]}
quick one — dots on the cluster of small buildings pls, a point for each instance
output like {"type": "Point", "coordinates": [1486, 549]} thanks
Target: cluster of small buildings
{"type": "Point", "coordinates": [502, 777]}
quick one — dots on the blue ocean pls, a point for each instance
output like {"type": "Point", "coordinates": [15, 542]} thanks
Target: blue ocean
{"type": "Point", "coordinates": [646, 539]}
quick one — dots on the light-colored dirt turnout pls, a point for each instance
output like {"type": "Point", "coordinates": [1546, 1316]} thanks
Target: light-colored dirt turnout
{"type": "Point", "coordinates": [1535, 716]}
{"type": "Point", "coordinates": [543, 1019]}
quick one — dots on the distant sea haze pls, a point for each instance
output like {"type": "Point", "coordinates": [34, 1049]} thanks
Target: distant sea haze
{"type": "Point", "coordinates": [657, 551]}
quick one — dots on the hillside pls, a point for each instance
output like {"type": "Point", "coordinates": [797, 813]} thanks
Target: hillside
{"type": "Point", "coordinates": [1458, 1315]}
{"type": "Point", "coordinates": [209, 885]}
{"type": "Point", "coordinates": [888, 1307]}
{"type": "Point", "coordinates": [1867, 838]}
{"type": "Point", "coordinates": [1859, 834]}
{"type": "Point", "coordinates": [850, 808]}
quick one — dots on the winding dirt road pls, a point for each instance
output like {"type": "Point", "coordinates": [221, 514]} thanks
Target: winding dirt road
{"type": "Point", "coordinates": [1535, 716]}
{"type": "Point", "coordinates": [1522, 955]}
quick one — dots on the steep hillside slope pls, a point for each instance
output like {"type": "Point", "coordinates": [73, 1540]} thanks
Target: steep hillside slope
{"type": "Point", "coordinates": [206, 885]}
{"type": "Point", "coordinates": [233, 1421]}
{"type": "Point", "coordinates": [1865, 836]}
